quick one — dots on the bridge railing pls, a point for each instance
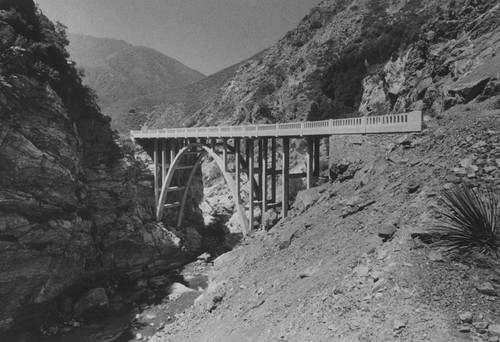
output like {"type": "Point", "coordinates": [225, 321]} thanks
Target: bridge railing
{"type": "Point", "coordinates": [394, 123]}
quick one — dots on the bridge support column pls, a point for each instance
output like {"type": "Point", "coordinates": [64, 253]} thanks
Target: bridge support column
{"type": "Point", "coordinates": [263, 162]}
{"type": "Point", "coordinates": [173, 152]}
{"type": "Point", "coordinates": [250, 157]}
{"type": "Point", "coordinates": [317, 144]}
{"type": "Point", "coordinates": [237, 162]}
{"type": "Point", "coordinates": [273, 170]}
{"type": "Point", "coordinates": [285, 172]}
{"type": "Point", "coordinates": [155, 161]}
{"type": "Point", "coordinates": [259, 174]}
{"type": "Point", "coordinates": [224, 153]}
{"type": "Point", "coordinates": [310, 162]}
{"type": "Point", "coordinates": [163, 160]}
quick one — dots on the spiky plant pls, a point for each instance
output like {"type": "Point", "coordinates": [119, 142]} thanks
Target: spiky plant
{"type": "Point", "coordinates": [470, 222]}
{"type": "Point", "coordinates": [495, 104]}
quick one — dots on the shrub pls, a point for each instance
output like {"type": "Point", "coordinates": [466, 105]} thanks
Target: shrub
{"type": "Point", "coordinates": [316, 24]}
{"type": "Point", "coordinates": [297, 42]}
{"type": "Point", "coordinates": [470, 222]}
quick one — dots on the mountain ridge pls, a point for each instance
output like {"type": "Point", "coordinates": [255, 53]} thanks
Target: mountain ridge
{"type": "Point", "coordinates": [119, 71]}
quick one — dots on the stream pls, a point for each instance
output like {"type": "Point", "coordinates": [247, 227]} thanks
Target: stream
{"type": "Point", "coordinates": [137, 312]}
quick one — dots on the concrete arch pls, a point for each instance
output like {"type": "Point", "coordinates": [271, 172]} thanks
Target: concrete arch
{"type": "Point", "coordinates": [220, 163]}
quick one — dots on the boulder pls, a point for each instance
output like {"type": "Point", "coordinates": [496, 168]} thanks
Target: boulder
{"type": "Point", "coordinates": [92, 304]}
{"type": "Point", "coordinates": [486, 288]}
{"type": "Point", "coordinates": [306, 198]}
{"type": "Point", "coordinates": [492, 88]}
{"type": "Point", "coordinates": [494, 329]}
{"type": "Point", "coordinates": [386, 231]}
{"type": "Point", "coordinates": [466, 317]}
{"type": "Point", "coordinates": [343, 170]}
{"type": "Point", "coordinates": [177, 289]}
{"type": "Point", "coordinates": [469, 91]}
{"type": "Point", "coordinates": [270, 218]}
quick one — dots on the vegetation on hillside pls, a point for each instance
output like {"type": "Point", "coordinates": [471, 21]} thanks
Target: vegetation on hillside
{"type": "Point", "coordinates": [380, 40]}
{"type": "Point", "coordinates": [470, 222]}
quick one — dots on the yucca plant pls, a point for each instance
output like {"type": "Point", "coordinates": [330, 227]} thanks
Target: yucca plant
{"type": "Point", "coordinates": [470, 222]}
{"type": "Point", "coordinates": [495, 104]}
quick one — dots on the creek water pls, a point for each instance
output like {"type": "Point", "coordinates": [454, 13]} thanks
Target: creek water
{"type": "Point", "coordinates": [135, 311]}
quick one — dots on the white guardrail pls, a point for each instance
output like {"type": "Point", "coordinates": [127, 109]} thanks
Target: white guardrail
{"type": "Point", "coordinates": [394, 123]}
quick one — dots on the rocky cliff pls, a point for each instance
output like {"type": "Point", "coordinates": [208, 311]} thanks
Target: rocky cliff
{"type": "Point", "coordinates": [74, 204]}
{"type": "Point", "coordinates": [370, 57]}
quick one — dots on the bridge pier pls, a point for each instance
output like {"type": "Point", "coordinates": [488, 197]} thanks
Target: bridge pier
{"type": "Point", "coordinates": [285, 173]}
{"type": "Point", "coordinates": [273, 168]}
{"type": "Point", "coordinates": [317, 157]}
{"type": "Point", "coordinates": [310, 162]}
{"type": "Point", "coordinates": [155, 162]}
{"type": "Point", "coordinates": [263, 153]}
{"type": "Point", "coordinates": [250, 158]}
{"type": "Point", "coordinates": [259, 170]}
{"type": "Point", "coordinates": [237, 162]}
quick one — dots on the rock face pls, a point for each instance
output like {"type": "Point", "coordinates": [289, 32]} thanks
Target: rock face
{"type": "Point", "coordinates": [74, 204]}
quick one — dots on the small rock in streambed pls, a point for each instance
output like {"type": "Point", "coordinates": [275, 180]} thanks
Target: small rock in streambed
{"type": "Point", "coordinates": [93, 303]}
{"type": "Point", "coordinates": [204, 257]}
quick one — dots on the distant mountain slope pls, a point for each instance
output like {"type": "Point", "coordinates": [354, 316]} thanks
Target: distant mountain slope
{"type": "Point", "coordinates": [119, 72]}
{"type": "Point", "coordinates": [177, 107]}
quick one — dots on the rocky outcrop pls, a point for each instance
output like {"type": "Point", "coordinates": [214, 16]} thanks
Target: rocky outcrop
{"type": "Point", "coordinates": [74, 205]}
{"type": "Point", "coordinates": [452, 63]}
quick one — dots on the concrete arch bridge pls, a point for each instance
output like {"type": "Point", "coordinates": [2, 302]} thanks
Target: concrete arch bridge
{"type": "Point", "coordinates": [253, 150]}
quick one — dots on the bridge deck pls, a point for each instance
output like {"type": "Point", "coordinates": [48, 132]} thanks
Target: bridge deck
{"type": "Point", "coordinates": [397, 123]}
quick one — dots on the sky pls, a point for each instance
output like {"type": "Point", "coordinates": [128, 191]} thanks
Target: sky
{"type": "Point", "coordinates": [207, 35]}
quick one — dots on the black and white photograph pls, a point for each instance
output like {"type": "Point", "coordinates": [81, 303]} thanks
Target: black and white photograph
{"type": "Point", "coordinates": [249, 170]}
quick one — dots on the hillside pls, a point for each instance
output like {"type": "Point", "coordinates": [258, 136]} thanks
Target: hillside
{"type": "Point", "coordinates": [119, 72]}
{"type": "Point", "coordinates": [75, 211]}
{"type": "Point", "coordinates": [176, 107]}
{"type": "Point", "coordinates": [353, 262]}
{"type": "Point", "coordinates": [369, 57]}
